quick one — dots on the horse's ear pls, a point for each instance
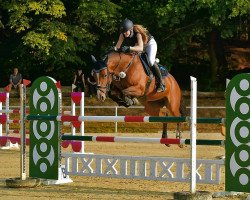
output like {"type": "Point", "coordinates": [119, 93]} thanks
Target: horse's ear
{"type": "Point", "coordinates": [93, 59]}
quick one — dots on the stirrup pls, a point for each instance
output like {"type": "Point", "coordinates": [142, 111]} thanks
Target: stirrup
{"type": "Point", "coordinates": [160, 88]}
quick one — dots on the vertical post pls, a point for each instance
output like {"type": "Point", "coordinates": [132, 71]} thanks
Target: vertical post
{"type": "Point", "coordinates": [22, 132]}
{"type": "Point", "coordinates": [116, 112]}
{"type": "Point", "coordinates": [227, 82]}
{"type": "Point", "coordinates": [73, 113]}
{"type": "Point", "coordinates": [7, 107]}
{"type": "Point", "coordinates": [82, 131]}
{"type": "Point", "coordinates": [1, 126]}
{"type": "Point", "coordinates": [60, 111]}
{"type": "Point", "coordinates": [193, 132]}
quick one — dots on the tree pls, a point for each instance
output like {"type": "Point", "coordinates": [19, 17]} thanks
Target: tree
{"type": "Point", "coordinates": [48, 36]}
{"type": "Point", "coordinates": [206, 21]}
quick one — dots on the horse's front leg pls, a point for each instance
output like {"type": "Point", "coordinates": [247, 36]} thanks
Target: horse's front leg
{"type": "Point", "coordinates": [134, 91]}
{"type": "Point", "coordinates": [131, 93]}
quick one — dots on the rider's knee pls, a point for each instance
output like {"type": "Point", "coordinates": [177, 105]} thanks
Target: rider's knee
{"type": "Point", "coordinates": [151, 62]}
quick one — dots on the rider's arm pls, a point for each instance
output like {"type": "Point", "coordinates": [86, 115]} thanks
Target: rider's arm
{"type": "Point", "coordinates": [120, 41]}
{"type": "Point", "coordinates": [139, 46]}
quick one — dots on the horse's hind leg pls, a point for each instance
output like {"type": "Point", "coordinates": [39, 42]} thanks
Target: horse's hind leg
{"type": "Point", "coordinates": [163, 112]}
{"type": "Point", "coordinates": [155, 109]}
{"type": "Point", "coordinates": [175, 110]}
{"type": "Point", "coordinates": [165, 132]}
{"type": "Point", "coordinates": [178, 131]}
{"type": "Point", "coordinates": [183, 112]}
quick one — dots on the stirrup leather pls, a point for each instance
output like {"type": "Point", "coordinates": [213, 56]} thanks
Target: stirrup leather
{"type": "Point", "coordinates": [160, 88]}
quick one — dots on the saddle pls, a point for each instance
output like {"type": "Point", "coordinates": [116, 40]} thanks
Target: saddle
{"type": "Point", "coordinates": [147, 68]}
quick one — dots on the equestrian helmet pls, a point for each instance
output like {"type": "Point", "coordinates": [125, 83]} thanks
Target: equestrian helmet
{"type": "Point", "coordinates": [126, 25]}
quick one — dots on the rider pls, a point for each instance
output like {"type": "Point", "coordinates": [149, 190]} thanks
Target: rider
{"type": "Point", "coordinates": [136, 37]}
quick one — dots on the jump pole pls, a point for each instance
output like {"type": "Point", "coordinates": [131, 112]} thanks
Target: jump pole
{"type": "Point", "coordinates": [193, 133]}
{"type": "Point", "coordinates": [140, 140]}
{"type": "Point", "coordinates": [67, 118]}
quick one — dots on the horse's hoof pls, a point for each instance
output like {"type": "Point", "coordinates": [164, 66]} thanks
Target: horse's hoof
{"type": "Point", "coordinates": [135, 101]}
{"type": "Point", "coordinates": [222, 157]}
{"type": "Point", "coordinates": [126, 105]}
{"type": "Point", "coordinates": [181, 145]}
{"type": "Point", "coordinates": [128, 101]}
{"type": "Point", "coordinates": [223, 130]}
{"type": "Point", "coordinates": [167, 145]}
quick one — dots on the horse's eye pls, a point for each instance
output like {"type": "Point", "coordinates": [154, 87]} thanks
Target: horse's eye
{"type": "Point", "coordinates": [105, 76]}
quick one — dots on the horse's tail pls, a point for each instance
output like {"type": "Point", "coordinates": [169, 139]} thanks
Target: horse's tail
{"type": "Point", "coordinates": [183, 108]}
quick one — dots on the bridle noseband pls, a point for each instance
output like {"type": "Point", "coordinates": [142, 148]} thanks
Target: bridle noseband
{"type": "Point", "coordinates": [100, 87]}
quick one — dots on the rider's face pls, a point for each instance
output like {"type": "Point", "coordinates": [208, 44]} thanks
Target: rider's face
{"type": "Point", "coordinates": [127, 33]}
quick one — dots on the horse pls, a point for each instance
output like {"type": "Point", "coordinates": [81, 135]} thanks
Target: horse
{"type": "Point", "coordinates": [123, 78]}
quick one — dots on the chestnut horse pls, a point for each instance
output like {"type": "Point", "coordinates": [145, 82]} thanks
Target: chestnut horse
{"type": "Point", "coordinates": [122, 76]}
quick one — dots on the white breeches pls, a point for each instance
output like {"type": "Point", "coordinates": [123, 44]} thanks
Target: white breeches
{"type": "Point", "coordinates": [151, 50]}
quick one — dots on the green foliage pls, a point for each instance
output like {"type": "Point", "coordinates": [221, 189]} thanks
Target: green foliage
{"type": "Point", "coordinates": [55, 36]}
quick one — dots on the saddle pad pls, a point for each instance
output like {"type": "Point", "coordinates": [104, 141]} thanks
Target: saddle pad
{"type": "Point", "coordinates": [164, 71]}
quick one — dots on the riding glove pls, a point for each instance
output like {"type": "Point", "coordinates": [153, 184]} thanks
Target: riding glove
{"type": "Point", "coordinates": [113, 49]}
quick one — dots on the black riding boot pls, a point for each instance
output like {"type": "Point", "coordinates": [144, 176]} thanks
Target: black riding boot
{"type": "Point", "coordinates": [160, 86]}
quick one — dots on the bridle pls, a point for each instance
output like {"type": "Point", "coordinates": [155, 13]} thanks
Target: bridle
{"type": "Point", "coordinates": [100, 87]}
{"type": "Point", "coordinates": [107, 86]}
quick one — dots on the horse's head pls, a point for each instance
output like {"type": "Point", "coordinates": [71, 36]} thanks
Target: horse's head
{"type": "Point", "coordinates": [102, 78]}
{"type": "Point", "coordinates": [114, 67]}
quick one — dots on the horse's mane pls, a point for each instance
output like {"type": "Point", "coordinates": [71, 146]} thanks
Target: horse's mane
{"type": "Point", "coordinates": [122, 53]}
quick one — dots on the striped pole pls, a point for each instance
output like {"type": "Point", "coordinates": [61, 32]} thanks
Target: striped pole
{"type": "Point", "coordinates": [13, 140]}
{"type": "Point", "coordinates": [16, 131]}
{"type": "Point", "coordinates": [13, 121]}
{"type": "Point", "coordinates": [202, 120]}
{"type": "Point", "coordinates": [1, 107]}
{"type": "Point", "coordinates": [13, 111]}
{"type": "Point", "coordinates": [141, 140]}
{"type": "Point", "coordinates": [67, 118]}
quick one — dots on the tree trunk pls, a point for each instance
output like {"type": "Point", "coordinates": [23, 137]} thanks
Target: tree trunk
{"type": "Point", "coordinates": [212, 55]}
{"type": "Point", "coordinates": [217, 57]}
